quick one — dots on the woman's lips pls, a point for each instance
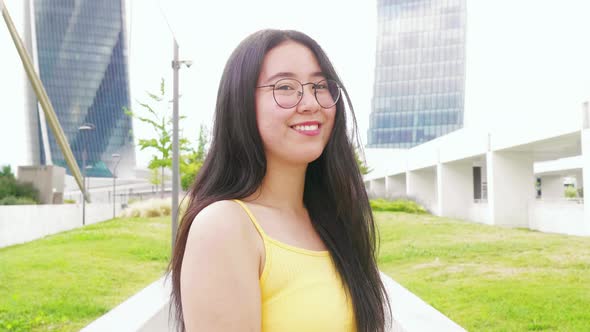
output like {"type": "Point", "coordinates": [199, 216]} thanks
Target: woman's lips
{"type": "Point", "coordinates": [308, 128]}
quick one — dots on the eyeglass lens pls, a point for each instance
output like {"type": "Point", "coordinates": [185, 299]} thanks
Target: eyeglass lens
{"type": "Point", "coordinates": [288, 92]}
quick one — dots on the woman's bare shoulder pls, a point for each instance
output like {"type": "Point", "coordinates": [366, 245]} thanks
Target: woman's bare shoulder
{"type": "Point", "coordinates": [221, 221]}
{"type": "Point", "coordinates": [220, 267]}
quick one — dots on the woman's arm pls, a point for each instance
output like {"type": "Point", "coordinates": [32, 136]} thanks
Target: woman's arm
{"type": "Point", "coordinates": [219, 277]}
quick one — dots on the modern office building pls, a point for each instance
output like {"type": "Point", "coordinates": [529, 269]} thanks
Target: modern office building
{"type": "Point", "coordinates": [80, 51]}
{"type": "Point", "coordinates": [526, 129]}
{"type": "Point", "coordinates": [419, 72]}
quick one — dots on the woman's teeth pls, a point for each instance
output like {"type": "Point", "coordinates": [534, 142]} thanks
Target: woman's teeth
{"type": "Point", "coordinates": [306, 127]}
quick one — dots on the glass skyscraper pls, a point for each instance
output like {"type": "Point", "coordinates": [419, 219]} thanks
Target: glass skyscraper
{"type": "Point", "coordinates": [418, 93]}
{"type": "Point", "coordinates": [79, 48]}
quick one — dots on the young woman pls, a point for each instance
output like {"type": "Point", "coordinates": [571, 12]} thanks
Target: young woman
{"type": "Point", "coordinates": [279, 234]}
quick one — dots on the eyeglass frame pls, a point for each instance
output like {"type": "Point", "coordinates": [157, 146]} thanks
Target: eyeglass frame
{"type": "Point", "coordinates": [303, 91]}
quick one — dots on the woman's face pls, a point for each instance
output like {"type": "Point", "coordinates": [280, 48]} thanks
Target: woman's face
{"type": "Point", "coordinates": [296, 135]}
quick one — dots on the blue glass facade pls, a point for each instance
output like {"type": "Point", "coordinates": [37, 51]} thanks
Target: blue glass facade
{"type": "Point", "coordinates": [82, 60]}
{"type": "Point", "coordinates": [418, 93]}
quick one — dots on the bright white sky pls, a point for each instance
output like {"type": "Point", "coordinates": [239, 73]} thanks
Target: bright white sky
{"type": "Point", "coordinates": [528, 61]}
{"type": "Point", "coordinates": [208, 32]}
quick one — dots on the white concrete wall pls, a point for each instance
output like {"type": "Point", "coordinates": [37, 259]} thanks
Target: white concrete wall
{"type": "Point", "coordinates": [464, 142]}
{"type": "Point", "coordinates": [559, 166]}
{"type": "Point", "coordinates": [147, 311]}
{"type": "Point", "coordinates": [510, 187]}
{"type": "Point", "coordinates": [385, 162]}
{"type": "Point", "coordinates": [395, 186]}
{"type": "Point", "coordinates": [378, 188]}
{"type": "Point", "coordinates": [24, 223]}
{"type": "Point", "coordinates": [412, 314]}
{"type": "Point", "coordinates": [425, 155]}
{"type": "Point", "coordinates": [565, 217]}
{"type": "Point", "coordinates": [552, 187]}
{"type": "Point", "coordinates": [368, 187]}
{"type": "Point", "coordinates": [585, 137]}
{"type": "Point", "coordinates": [480, 213]}
{"type": "Point", "coordinates": [48, 179]}
{"type": "Point", "coordinates": [422, 186]}
{"type": "Point", "coordinates": [509, 160]}
{"type": "Point", "coordinates": [455, 189]}
{"type": "Point", "coordinates": [579, 180]}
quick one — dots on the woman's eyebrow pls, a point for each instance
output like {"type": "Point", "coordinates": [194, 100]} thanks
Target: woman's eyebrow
{"type": "Point", "coordinates": [285, 74]}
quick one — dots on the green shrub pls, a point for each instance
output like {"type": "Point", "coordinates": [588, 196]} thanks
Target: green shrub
{"type": "Point", "coordinates": [400, 205]}
{"type": "Point", "coordinates": [134, 213]}
{"type": "Point", "coordinates": [189, 174]}
{"type": "Point", "coordinates": [571, 192]}
{"type": "Point", "coordinates": [152, 212]}
{"type": "Point", "coordinates": [12, 200]}
{"type": "Point", "coordinates": [27, 190]}
{"type": "Point", "coordinates": [165, 210]}
{"type": "Point", "coordinates": [11, 187]}
{"type": "Point", "coordinates": [133, 200]}
{"type": "Point", "coordinates": [69, 201]}
{"type": "Point", "coordinates": [154, 207]}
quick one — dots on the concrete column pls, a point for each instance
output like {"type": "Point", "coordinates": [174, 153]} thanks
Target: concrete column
{"type": "Point", "coordinates": [368, 187]}
{"type": "Point", "coordinates": [395, 186]}
{"type": "Point", "coordinates": [586, 177]}
{"type": "Point", "coordinates": [455, 189]}
{"type": "Point", "coordinates": [511, 187]}
{"type": "Point", "coordinates": [552, 187]}
{"type": "Point", "coordinates": [378, 187]}
{"type": "Point", "coordinates": [579, 180]}
{"type": "Point", "coordinates": [484, 181]}
{"type": "Point", "coordinates": [421, 185]}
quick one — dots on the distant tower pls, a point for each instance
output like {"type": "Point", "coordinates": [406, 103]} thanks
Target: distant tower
{"type": "Point", "coordinates": [80, 51]}
{"type": "Point", "coordinates": [419, 87]}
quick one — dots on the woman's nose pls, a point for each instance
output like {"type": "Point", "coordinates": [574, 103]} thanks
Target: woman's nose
{"type": "Point", "coordinates": [308, 100]}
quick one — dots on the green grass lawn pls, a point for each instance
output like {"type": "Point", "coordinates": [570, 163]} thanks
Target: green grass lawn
{"type": "Point", "coordinates": [65, 281]}
{"type": "Point", "coordinates": [489, 278]}
{"type": "Point", "coordinates": [484, 278]}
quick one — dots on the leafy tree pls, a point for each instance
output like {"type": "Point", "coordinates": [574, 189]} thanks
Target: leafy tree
{"type": "Point", "coordinates": [361, 163]}
{"type": "Point", "coordinates": [570, 192]}
{"type": "Point", "coordinates": [6, 171]}
{"type": "Point", "coordinates": [155, 177]}
{"type": "Point", "coordinates": [158, 115]}
{"type": "Point", "coordinates": [13, 191]}
{"type": "Point", "coordinates": [191, 163]}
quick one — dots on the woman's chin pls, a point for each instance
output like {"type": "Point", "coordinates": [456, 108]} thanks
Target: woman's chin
{"type": "Point", "coordinates": [301, 157]}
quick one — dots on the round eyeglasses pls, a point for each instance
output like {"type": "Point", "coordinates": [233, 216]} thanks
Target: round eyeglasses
{"type": "Point", "coordinates": [287, 92]}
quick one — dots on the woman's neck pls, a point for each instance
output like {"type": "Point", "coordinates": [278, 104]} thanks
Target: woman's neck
{"type": "Point", "coordinates": [282, 186]}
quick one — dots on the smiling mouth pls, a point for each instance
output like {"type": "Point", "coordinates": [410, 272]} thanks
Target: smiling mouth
{"type": "Point", "coordinates": [307, 129]}
{"type": "Point", "coordinates": [310, 127]}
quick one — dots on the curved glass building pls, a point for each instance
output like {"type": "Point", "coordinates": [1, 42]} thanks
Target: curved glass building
{"type": "Point", "coordinates": [80, 50]}
{"type": "Point", "coordinates": [418, 93]}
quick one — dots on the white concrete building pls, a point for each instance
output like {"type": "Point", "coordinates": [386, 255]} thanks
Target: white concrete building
{"type": "Point", "coordinates": [489, 177]}
{"type": "Point", "coordinates": [524, 83]}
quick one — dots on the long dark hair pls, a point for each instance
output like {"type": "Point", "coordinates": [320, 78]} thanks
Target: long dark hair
{"type": "Point", "coordinates": [334, 193]}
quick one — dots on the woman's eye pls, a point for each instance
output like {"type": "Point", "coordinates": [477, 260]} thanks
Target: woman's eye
{"type": "Point", "coordinates": [321, 86]}
{"type": "Point", "coordinates": [284, 87]}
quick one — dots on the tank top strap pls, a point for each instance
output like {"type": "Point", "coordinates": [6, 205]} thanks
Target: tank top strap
{"type": "Point", "coordinates": [252, 218]}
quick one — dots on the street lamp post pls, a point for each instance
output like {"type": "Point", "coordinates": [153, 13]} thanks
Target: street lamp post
{"type": "Point", "coordinates": [87, 127]}
{"type": "Point", "coordinates": [116, 157]}
{"type": "Point", "coordinates": [88, 167]}
{"type": "Point", "coordinates": [176, 63]}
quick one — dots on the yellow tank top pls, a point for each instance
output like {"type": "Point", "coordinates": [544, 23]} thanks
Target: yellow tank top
{"type": "Point", "coordinates": [301, 289]}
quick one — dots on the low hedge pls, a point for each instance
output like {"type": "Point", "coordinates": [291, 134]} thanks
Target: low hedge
{"type": "Point", "coordinates": [12, 200]}
{"type": "Point", "coordinates": [399, 205]}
